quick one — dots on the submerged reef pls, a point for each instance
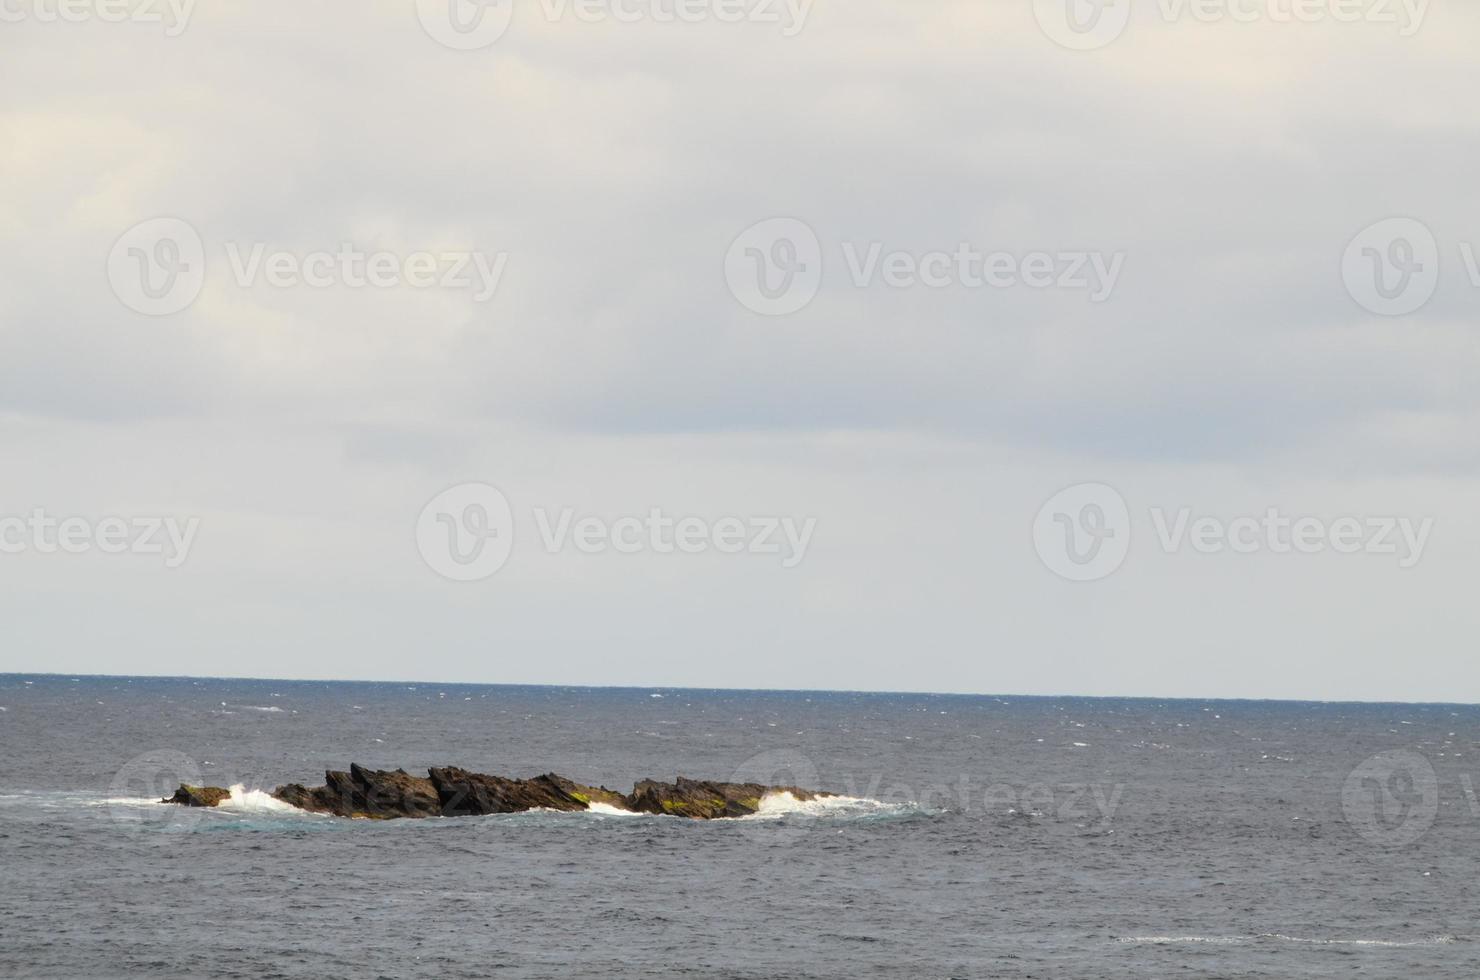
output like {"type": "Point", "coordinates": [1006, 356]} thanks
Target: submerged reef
{"type": "Point", "coordinates": [378, 794]}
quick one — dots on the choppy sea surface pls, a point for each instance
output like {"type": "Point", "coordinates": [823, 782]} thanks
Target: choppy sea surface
{"type": "Point", "coordinates": [978, 837]}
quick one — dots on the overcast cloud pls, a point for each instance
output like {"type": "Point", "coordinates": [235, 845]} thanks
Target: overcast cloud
{"type": "Point", "coordinates": [1232, 365]}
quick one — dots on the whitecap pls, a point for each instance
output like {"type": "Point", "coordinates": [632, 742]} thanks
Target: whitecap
{"type": "Point", "coordinates": [1395, 943]}
{"type": "Point", "coordinates": [607, 810]}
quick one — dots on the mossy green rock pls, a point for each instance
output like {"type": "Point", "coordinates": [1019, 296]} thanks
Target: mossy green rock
{"type": "Point", "coordinates": [188, 795]}
{"type": "Point", "coordinates": [704, 800]}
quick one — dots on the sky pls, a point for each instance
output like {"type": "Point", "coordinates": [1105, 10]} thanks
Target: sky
{"type": "Point", "coordinates": [948, 346]}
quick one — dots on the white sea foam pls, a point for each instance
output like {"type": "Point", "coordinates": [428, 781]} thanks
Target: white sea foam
{"type": "Point", "coordinates": [242, 800]}
{"type": "Point", "coordinates": [773, 806]}
{"type": "Point", "coordinates": [245, 800]}
{"type": "Point", "coordinates": [123, 801]}
{"type": "Point", "coordinates": [1278, 937]}
{"type": "Point", "coordinates": [777, 805]}
{"type": "Point", "coordinates": [1429, 941]}
{"type": "Point", "coordinates": [1178, 940]}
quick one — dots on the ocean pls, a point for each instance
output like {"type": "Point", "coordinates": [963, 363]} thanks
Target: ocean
{"type": "Point", "coordinates": [976, 837]}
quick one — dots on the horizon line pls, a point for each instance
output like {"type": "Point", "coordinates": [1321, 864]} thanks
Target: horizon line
{"type": "Point", "coordinates": [734, 690]}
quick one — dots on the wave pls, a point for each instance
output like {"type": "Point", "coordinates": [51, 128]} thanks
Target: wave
{"type": "Point", "coordinates": [1179, 940]}
{"type": "Point", "coordinates": [243, 803]}
{"type": "Point", "coordinates": [607, 810]}
{"type": "Point", "coordinates": [245, 800]}
{"type": "Point", "coordinates": [1279, 937]}
{"type": "Point", "coordinates": [140, 802]}
{"type": "Point", "coordinates": [1399, 943]}
{"type": "Point", "coordinates": [776, 806]}
{"type": "Point", "coordinates": [253, 808]}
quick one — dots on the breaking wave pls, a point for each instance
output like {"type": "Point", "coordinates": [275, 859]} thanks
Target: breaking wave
{"type": "Point", "coordinates": [775, 806]}
{"type": "Point", "coordinates": [255, 807]}
{"type": "Point", "coordinates": [242, 801]}
{"type": "Point", "coordinates": [245, 800]}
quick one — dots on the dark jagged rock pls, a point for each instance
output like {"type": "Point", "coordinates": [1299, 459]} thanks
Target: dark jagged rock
{"type": "Point", "coordinates": [452, 792]}
{"type": "Point", "coordinates": [198, 795]}
{"type": "Point", "coordinates": [704, 800]}
{"type": "Point", "coordinates": [372, 793]}
{"type": "Point", "coordinates": [466, 793]}
{"type": "Point", "coordinates": [312, 800]}
{"type": "Point", "coordinates": [394, 793]}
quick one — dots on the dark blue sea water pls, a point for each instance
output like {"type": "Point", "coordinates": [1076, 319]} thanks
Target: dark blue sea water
{"type": "Point", "coordinates": [990, 837]}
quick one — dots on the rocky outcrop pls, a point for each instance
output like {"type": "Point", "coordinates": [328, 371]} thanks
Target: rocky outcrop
{"type": "Point", "coordinates": [379, 794]}
{"type": "Point", "coordinates": [372, 793]}
{"type": "Point", "coordinates": [698, 798]}
{"type": "Point", "coordinates": [466, 793]}
{"type": "Point", "coordinates": [198, 795]}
